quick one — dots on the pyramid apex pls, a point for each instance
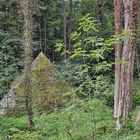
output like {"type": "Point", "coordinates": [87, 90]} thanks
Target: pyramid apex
{"type": "Point", "coordinates": [41, 54]}
{"type": "Point", "coordinates": [41, 60]}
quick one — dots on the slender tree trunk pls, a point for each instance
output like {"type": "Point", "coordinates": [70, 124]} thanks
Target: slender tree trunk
{"type": "Point", "coordinates": [138, 63]}
{"type": "Point", "coordinates": [45, 34]}
{"type": "Point", "coordinates": [65, 32]}
{"type": "Point", "coordinates": [138, 116]}
{"type": "Point", "coordinates": [40, 35]}
{"type": "Point", "coordinates": [118, 50]}
{"type": "Point", "coordinates": [28, 58]}
{"type": "Point", "coordinates": [98, 11]}
{"type": "Point", "coordinates": [128, 54]}
{"type": "Point", "coordinates": [69, 27]}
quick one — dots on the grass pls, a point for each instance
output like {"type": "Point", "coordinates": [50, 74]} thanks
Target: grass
{"type": "Point", "coordinates": [78, 120]}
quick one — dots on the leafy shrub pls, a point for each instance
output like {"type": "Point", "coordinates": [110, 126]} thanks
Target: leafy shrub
{"type": "Point", "coordinates": [76, 121]}
{"type": "Point", "coordinates": [7, 123]}
{"type": "Point", "coordinates": [89, 65]}
{"type": "Point", "coordinates": [79, 120]}
{"type": "Point", "coordinates": [16, 134]}
{"type": "Point", "coordinates": [136, 95]}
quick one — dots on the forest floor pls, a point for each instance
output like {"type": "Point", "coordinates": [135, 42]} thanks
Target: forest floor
{"type": "Point", "coordinates": [78, 120]}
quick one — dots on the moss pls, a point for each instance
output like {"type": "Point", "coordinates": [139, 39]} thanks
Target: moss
{"type": "Point", "coordinates": [19, 90]}
{"type": "Point", "coordinates": [47, 85]}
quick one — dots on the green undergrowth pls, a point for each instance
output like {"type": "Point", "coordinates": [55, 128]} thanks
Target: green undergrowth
{"type": "Point", "coordinates": [79, 120]}
{"type": "Point", "coordinates": [136, 95]}
{"type": "Point", "coordinates": [88, 119]}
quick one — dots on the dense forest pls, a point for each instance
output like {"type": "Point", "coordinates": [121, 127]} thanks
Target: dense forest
{"type": "Point", "coordinates": [69, 70]}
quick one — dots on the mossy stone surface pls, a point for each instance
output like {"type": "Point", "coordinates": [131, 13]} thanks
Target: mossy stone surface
{"type": "Point", "coordinates": [47, 86]}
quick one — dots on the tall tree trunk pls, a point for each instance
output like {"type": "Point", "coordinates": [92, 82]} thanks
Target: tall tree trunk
{"type": "Point", "coordinates": [125, 98]}
{"type": "Point", "coordinates": [98, 10]}
{"type": "Point", "coordinates": [69, 27]}
{"type": "Point", "coordinates": [45, 34]}
{"type": "Point", "coordinates": [118, 50]}
{"type": "Point", "coordinates": [28, 58]}
{"type": "Point", "coordinates": [65, 31]}
{"type": "Point", "coordinates": [138, 63]}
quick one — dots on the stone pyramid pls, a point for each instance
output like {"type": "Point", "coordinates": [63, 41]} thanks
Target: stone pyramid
{"type": "Point", "coordinates": [47, 87]}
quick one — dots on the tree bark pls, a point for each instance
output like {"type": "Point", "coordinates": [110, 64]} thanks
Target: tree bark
{"type": "Point", "coordinates": [65, 32]}
{"type": "Point", "coordinates": [138, 116]}
{"type": "Point", "coordinates": [69, 27]}
{"type": "Point", "coordinates": [45, 34]}
{"type": "Point", "coordinates": [26, 5]}
{"type": "Point", "coordinates": [118, 50]}
{"type": "Point", "coordinates": [98, 11]}
{"type": "Point", "coordinates": [138, 63]}
{"type": "Point", "coordinates": [128, 54]}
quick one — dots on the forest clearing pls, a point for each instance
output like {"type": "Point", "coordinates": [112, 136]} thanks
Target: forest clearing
{"type": "Point", "coordinates": [69, 70]}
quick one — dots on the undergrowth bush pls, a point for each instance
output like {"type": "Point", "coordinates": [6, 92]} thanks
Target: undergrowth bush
{"type": "Point", "coordinates": [16, 134]}
{"type": "Point", "coordinates": [79, 120]}
{"type": "Point", "coordinates": [89, 65]}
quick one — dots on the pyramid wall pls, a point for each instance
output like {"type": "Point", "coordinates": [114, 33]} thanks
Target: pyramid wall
{"type": "Point", "coordinates": [47, 87]}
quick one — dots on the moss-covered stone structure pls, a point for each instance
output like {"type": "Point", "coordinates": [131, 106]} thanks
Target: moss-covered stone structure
{"type": "Point", "coordinates": [47, 87]}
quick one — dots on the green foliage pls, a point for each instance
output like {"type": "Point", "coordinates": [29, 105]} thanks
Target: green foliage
{"type": "Point", "coordinates": [78, 120]}
{"type": "Point", "coordinates": [89, 65]}
{"type": "Point", "coordinates": [136, 93]}
{"type": "Point", "coordinates": [16, 134]}
{"type": "Point", "coordinates": [11, 50]}
{"type": "Point", "coordinates": [7, 123]}
{"type": "Point", "coordinates": [88, 69]}
{"type": "Point", "coordinates": [50, 16]}
{"type": "Point", "coordinates": [106, 19]}
{"type": "Point", "coordinates": [80, 115]}
{"type": "Point", "coordinates": [11, 65]}
{"type": "Point", "coordinates": [68, 124]}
